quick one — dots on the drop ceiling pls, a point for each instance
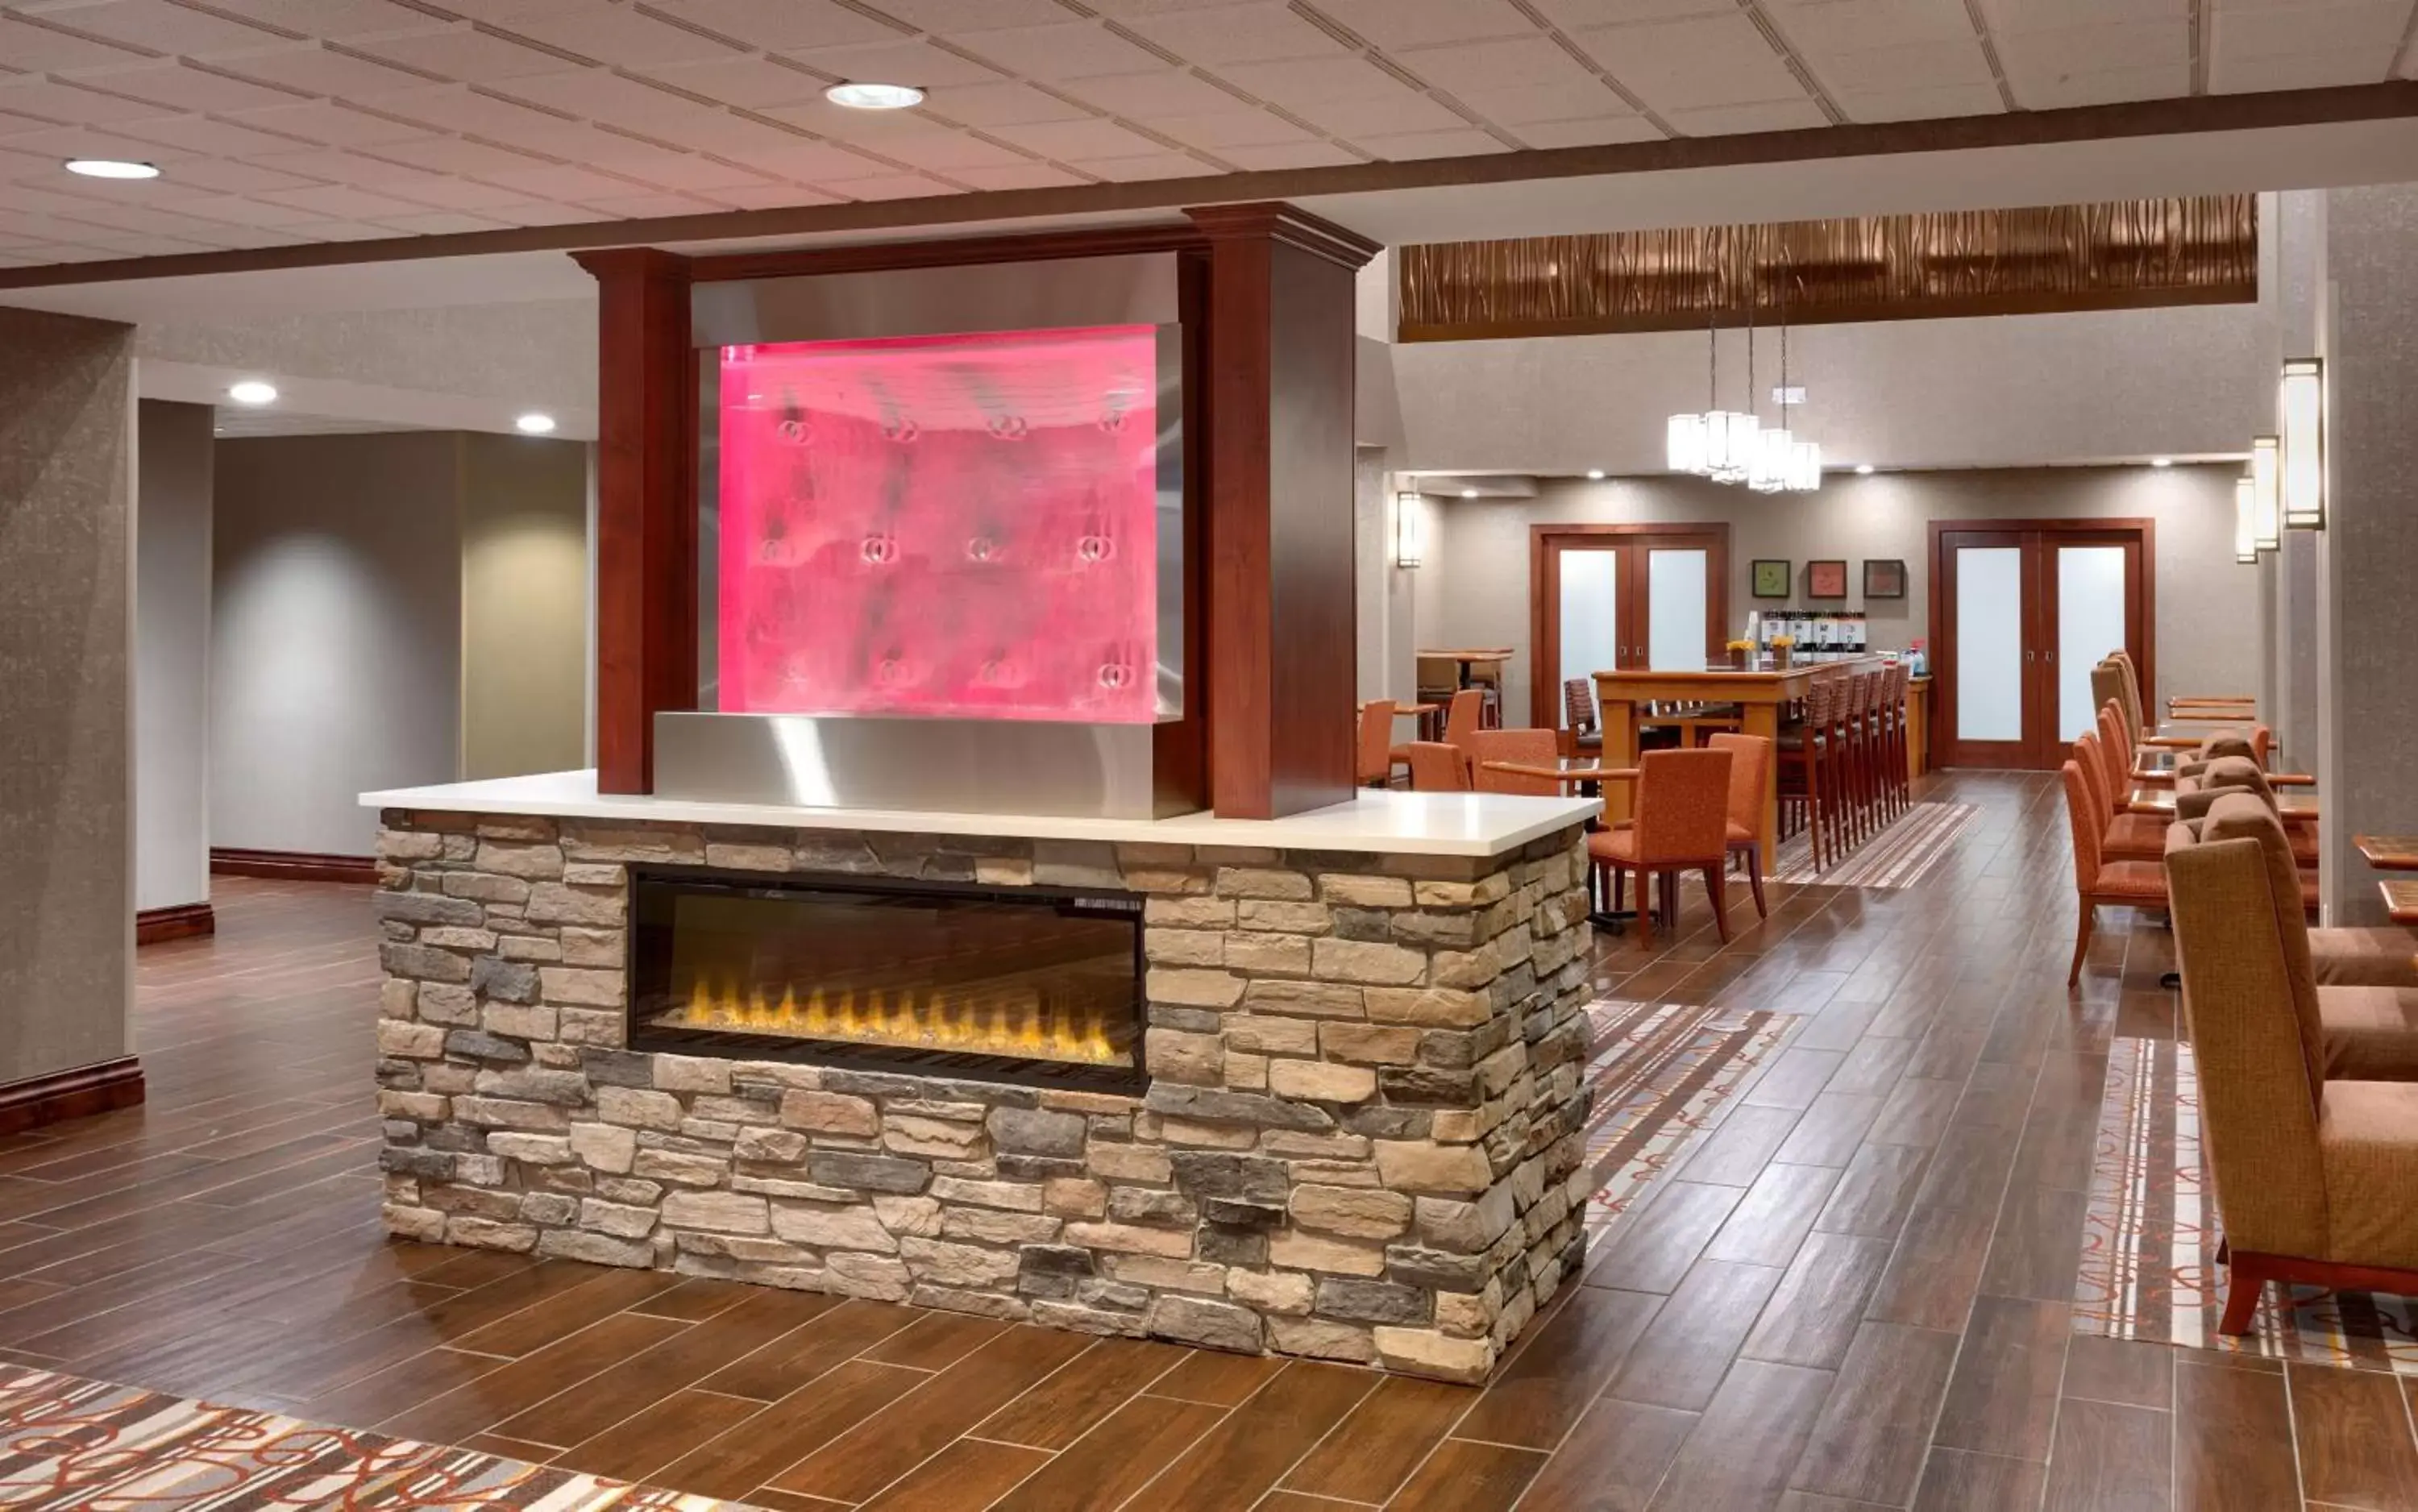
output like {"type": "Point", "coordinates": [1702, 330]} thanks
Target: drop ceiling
{"type": "Point", "coordinates": [288, 122]}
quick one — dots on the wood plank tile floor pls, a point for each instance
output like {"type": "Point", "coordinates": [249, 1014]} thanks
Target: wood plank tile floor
{"type": "Point", "coordinates": [1851, 1293]}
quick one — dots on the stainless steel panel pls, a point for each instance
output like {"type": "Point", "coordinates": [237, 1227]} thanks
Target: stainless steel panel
{"type": "Point", "coordinates": [961, 766]}
{"type": "Point", "coordinates": [1130, 289]}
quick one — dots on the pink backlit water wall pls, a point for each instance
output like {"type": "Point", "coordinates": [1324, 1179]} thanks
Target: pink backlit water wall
{"type": "Point", "coordinates": [947, 526]}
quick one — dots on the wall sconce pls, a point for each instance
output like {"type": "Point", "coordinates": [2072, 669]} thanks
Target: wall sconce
{"type": "Point", "coordinates": [2300, 403]}
{"type": "Point", "coordinates": [2266, 492]}
{"type": "Point", "coordinates": [1410, 536]}
{"type": "Point", "coordinates": [2246, 528]}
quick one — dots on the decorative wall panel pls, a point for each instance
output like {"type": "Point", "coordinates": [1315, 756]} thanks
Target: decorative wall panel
{"type": "Point", "coordinates": [2116, 255]}
{"type": "Point", "coordinates": [952, 527]}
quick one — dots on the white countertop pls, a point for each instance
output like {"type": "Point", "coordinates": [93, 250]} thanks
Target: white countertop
{"type": "Point", "coordinates": [1418, 824]}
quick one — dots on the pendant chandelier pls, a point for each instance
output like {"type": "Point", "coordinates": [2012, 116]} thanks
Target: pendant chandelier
{"type": "Point", "coordinates": [1732, 446]}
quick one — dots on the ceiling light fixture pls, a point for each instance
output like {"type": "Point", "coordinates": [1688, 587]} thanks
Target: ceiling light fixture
{"type": "Point", "coordinates": [112, 168]}
{"type": "Point", "coordinates": [1469, 493]}
{"type": "Point", "coordinates": [1595, 475]}
{"type": "Point", "coordinates": [535, 422]}
{"type": "Point", "coordinates": [253, 391]}
{"type": "Point", "coordinates": [2161, 462]}
{"type": "Point", "coordinates": [2301, 401]}
{"type": "Point", "coordinates": [857, 96]}
{"type": "Point", "coordinates": [1863, 469]}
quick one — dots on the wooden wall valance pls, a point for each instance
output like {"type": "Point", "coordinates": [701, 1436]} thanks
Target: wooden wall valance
{"type": "Point", "coordinates": [2122, 254]}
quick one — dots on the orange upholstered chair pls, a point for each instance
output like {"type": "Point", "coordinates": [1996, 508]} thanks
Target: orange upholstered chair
{"type": "Point", "coordinates": [1436, 767]}
{"type": "Point", "coordinates": [1750, 774]}
{"type": "Point", "coordinates": [2096, 879]}
{"type": "Point", "coordinates": [1682, 824]}
{"type": "Point", "coordinates": [2122, 836]}
{"type": "Point", "coordinates": [1464, 716]}
{"type": "Point", "coordinates": [1528, 747]}
{"type": "Point", "coordinates": [1377, 742]}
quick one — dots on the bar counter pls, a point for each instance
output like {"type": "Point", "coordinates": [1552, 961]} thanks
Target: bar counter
{"type": "Point", "coordinates": [1760, 696]}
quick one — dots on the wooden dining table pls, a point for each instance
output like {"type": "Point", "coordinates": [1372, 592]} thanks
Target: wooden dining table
{"type": "Point", "coordinates": [1466, 657]}
{"type": "Point", "coordinates": [2400, 900]}
{"type": "Point", "coordinates": [1428, 716]}
{"type": "Point", "coordinates": [2293, 805]}
{"type": "Point", "coordinates": [2388, 852]}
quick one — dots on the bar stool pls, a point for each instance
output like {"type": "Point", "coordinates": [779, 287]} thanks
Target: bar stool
{"type": "Point", "coordinates": [1806, 756]}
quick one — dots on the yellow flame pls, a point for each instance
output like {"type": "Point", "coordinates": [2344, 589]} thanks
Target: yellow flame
{"type": "Point", "coordinates": [1017, 1018]}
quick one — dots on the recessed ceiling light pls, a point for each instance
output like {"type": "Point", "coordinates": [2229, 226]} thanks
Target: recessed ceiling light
{"type": "Point", "coordinates": [254, 392]}
{"type": "Point", "coordinates": [111, 168]}
{"type": "Point", "coordinates": [2161, 462]}
{"type": "Point", "coordinates": [535, 424]}
{"type": "Point", "coordinates": [1469, 493]}
{"type": "Point", "coordinates": [874, 96]}
{"type": "Point", "coordinates": [1863, 469]}
{"type": "Point", "coordinates": [1595, 475]}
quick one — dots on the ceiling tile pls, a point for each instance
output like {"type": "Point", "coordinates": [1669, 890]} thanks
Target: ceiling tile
{"type": "Point", "coordinates": [1414, 23]}
{"type": "Point", "coordinates": [237, 210]}
{"type": "Point", "coordinates": [438, 192]}
{"type": "Point", "coordinates": [1517, 107]}
{"type": "Point", "coordinates": [649, 206]}
{"type": "Point", "coordinates": [774, 197]}
{"type": "Point", "coordinates": [965, 15]}
{"type": "Point", "coordinates": [1072, 50]}
{"type": "Point", "coordinates": [1413, 146]}
{"type": "Point", "coordinates": [993, 105]}
{"type": "Point", "coordinates": [1163, 93]}
{"type": "Point", "coordinates": [1279, 156]}
{"type": "Point", "coordinates": [565, 182]}
{"type": "Point", "coordinates": [465, 52]}
{"type": "Point", "coordinates": [334, 124]}
{"type": "Point", "coordinates": [204, 136]}
{"type": "Point", "coordinates": [40, 49]}
{"type": "Point", "coordinates": [945, 151]}
{"type": "Point", "coordinates": [1070, 140]}
{"type": "Point", "coordinates": [455, 156]}
{"type": "Point", "coordinates": [889, 187]}
{"type": "Point", "coordinates": [1937, 65]}
{"type": "Point", "coordinates": [1693, 64]}
{"type": "Point", "coordinates": [336, 167]}
{"type": "Point", "coordinates": [1601, 132]}
{"type": "Point", "coordinates": [1729, 120]}
{"type": "Point", "coordinates": [2008, 18]}
{"type": "Point", "coordinates": [1585, 13]}
{"type": "Point", "coordinates": [1308, 81]}
{"type": "Point", "coordinates": [1026, 175]}
{"type": "Point", "coordinates": [1519, 63]}
{"type": "Point", "coordinates": [1154, 165]}
{"type": "Point", "coordinates": [342, 201]}
{"type": "Point", "coordinates": [2074, 49]}
{"type": "Point", "coordinates": [441, 222]}
{"type": "Point", "coordinates": [1861, 25]}
{"type": "Point", "coordinates": [2373, 26]}
{"type": "Point", "coordinates": [1222, 131]}
{"type": "Point", "coordinates": [461, 108]}
{"type": "Point", "coordinates": [620, 36]}
{"type": "Point", "coordinates": [538, 213]}
{"type": "Point", "coordinates": [1264, 31]}
{"type": "Point", "coordinates": [183, 86]}
{"type": "Point", "coordinates": [314, 70]}
{"type": "Point", "coordinates": [332, 20]}
{"type": "Point", "coordinates": [2039, 91]}
{"type": "Point", "coordinates": [749, 82]}
{"type": "Point", "coordinates": [1392, 114]}
{"type": "Point", "coordinates": [598, 95]}
{"type": "Point", "coordinates": [1129, 9]}
{"type": "Point", "coordinates": [64, 103]}
{"type": "Point", "coordinates": [914, 63]}
{"type": "Point", "coordinates": [817, 163]}
{"type": "Point", "coordinates": [1933, 102]}
{"type": "Point", "coordinates": [156, 27]}
{"type": "Point", "coordinates": [778, 23]}
{"type": "Point", "coordinates": [2298, 70]}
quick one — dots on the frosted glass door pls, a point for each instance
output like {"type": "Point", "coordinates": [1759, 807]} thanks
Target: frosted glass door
{"type": "Point", "coordinates": [1590, 613]}
{"type": "Point", "coordinates": [1674, 600]}
{"type": "Point", "coordinates": [1990, 643]}
{"type": "Point", "coordinates": [2090, 618]}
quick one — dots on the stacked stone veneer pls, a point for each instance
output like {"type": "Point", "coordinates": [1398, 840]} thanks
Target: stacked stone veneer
{"type": "Point", "coordinates": [1361, 1141]}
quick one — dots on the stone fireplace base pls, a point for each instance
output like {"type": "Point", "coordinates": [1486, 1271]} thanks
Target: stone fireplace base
{"type": "Point", "coordinates": [1361, 1139]}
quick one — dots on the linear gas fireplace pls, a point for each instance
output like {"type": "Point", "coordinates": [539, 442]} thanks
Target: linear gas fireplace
{"type": "Point", "coordinates": [1034, 984]}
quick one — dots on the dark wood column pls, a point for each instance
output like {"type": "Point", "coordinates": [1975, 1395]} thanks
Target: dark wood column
{"type": "Point", "coordinates": [1282, 629]}
{"type": "Point", "coordinates": [646, 508]}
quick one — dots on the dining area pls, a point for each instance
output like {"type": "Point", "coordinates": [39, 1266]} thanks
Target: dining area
{"type": "Point", "coordinates": [1702, 775]}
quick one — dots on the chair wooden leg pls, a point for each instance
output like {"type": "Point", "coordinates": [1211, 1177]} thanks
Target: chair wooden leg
{"type": "Point", "coordinates": [2081, 941]}
{"type": "Point", "coordinates": [1644, 904]}
{"type": "Point", "coordinates": [1619, 881]}
{"type": "Point", "coordinates": [1754, 877]}
{"type": "Point", "coordinates": [2244, 1280]}
{"type": "Point", "coordinates": [1718, 891]}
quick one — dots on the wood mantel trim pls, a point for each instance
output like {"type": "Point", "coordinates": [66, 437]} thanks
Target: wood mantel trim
{"type": "Point", "coordinates": [945, 251]}
{"type": "Point", "coordinates": [77, 1092]}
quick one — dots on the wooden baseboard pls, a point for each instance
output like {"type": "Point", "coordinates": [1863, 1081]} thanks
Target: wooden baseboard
{"type": "Point", "coordinates": [65, 1094]}
{"type": "Point", "coordinates": [292, 866]}
{"type": "Point", "coordinates": [177, 922]}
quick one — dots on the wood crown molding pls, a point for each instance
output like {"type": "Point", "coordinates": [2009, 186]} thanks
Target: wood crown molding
{"type": "Point", "coordinates": [2389, 101]}
{"type": "Point", "coordinates": [653, 263]}
{"type": "Point", "coordinates": [1274, 220]}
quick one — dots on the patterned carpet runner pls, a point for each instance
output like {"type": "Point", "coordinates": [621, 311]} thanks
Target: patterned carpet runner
{"type": "Point", "coordinates": [1658, 1070]}
{"type": "Point", "coordinates": [65, 1443]}
{"type": "Point", "coordinates": [2149, 1241]}
{"type": "Point", "coordinates": [1897, 857]}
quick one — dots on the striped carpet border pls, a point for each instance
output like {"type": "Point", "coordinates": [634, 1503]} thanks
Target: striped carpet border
{"type": "Point", "coordinates": [68, 1443]}
{"type": "Point", "coordinates": [1658, 1071]}
{"type": "Point", "coordinates": [1898, 856]}
{"type": "Point", "coordinates": [2150, 1235]}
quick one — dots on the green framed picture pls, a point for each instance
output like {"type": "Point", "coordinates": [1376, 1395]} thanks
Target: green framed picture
{"type": "Point", "coordinates": [1771, 578]}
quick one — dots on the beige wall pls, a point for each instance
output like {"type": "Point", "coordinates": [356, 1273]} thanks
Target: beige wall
{"type": "Point", "coordinates": [67, 893]}
{"type": "Point", "coordinates": [172, 655]}
{"type": "Point", "coordinates": [1474, 589]}
{"type": "Point", "coordinates": [524, 605]}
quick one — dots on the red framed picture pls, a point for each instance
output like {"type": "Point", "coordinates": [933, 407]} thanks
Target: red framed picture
{"type": "Point", "coordinates": [1826, 579]}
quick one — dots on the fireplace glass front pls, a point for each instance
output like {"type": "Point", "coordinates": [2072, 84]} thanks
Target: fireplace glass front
{"type": "Point", "coordinates": [1028, 984]}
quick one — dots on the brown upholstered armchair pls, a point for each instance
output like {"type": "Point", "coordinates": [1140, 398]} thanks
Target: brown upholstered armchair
{"type": "Point", "coordinates": [2313, 1175]}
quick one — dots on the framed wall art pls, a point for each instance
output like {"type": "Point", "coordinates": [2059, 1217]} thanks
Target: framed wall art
{"type": "Point", "coordinates": [1826, 579]}
{"type": "Point", "coordinates": [1884, 578]}
{"type": "Point", "coordinates": [1771, 578]}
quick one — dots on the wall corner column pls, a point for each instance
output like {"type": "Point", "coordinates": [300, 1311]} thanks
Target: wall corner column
{"type": "Point", "coordinates": [646, 514]}
{"type": "Point", "coordinates": [1283, 660]}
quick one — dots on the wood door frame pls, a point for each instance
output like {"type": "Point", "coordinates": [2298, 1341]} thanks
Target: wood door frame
{"type": "Point", "coordinates": [1545, 544]}
{"type": "Point", "coordinates": [2143, 633]}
